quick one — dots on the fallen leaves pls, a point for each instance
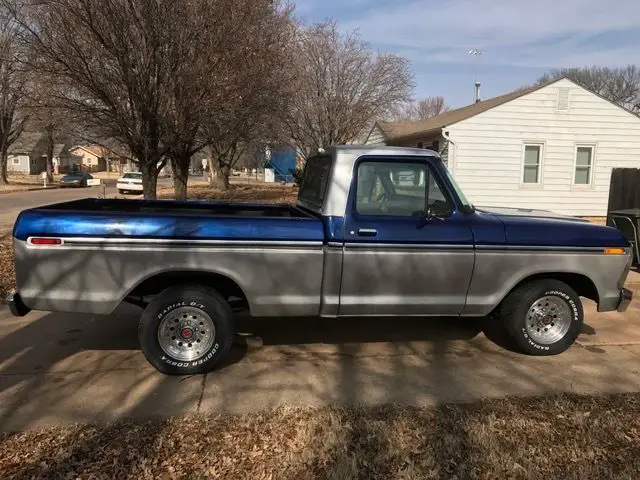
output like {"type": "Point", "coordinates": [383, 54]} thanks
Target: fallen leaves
{"type": "Point", "coordinates": [7, 271]}
{"type": "Point", "coordinates": [390, 442]}
{"type": "Point", "coordinates": [252, 193]}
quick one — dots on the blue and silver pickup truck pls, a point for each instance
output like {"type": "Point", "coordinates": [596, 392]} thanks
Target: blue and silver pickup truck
{"type": "Point", "coordinates": [378, 231]}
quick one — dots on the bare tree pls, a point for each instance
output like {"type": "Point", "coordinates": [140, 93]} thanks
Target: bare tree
{"type": "Point", "coordinates": [341, 87]}
{"type": "Point", "coordinates": [619, 85]}
{"type": "Point", "coordinates": [255, 75]}
{"type": "Point", "coordinates": [420, 110]}
{"type": "Point", "coordinates": [13, 89]}
{"type": "Point", "coordinates": [112, 62]}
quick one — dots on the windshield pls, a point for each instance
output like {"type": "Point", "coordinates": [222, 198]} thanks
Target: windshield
{"type": "Point", "coordinates": [466, 204]}
{"type": "Point", "coordinates": [132, 175]}
{"type": "Point", "coordinates": [314, 181]}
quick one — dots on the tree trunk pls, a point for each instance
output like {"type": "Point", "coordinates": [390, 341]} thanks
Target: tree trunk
{"type": "Point", "coordinates": [180, 169]}
{"type": "Point", "coordinates": [149, 180]}
{"type": "Point", "coordinates": [50, 146]}
{"type": "Point", "coordinates": [3, 167]}
{"type": "Point", "coordinates": [221, 178]}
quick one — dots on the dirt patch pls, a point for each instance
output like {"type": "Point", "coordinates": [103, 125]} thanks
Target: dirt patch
{"type": "Point", "coordinates": [553, 437]}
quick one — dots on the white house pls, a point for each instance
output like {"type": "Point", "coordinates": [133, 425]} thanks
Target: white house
{"type": "Point", "coordinates": [27, 154]}
{"type": "Point", "coordinates": [549, 147]}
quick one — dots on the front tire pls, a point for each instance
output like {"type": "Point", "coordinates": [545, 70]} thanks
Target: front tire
{"type": "Point", "coordinates": [543, 317]}
{"type": "Point", "coordinates": [186, 330]}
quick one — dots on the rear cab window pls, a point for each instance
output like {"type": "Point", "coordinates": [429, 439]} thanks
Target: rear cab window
{"type": "Point", "coordinates": [314, 182]}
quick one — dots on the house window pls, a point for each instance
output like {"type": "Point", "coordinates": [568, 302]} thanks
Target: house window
{"type": "Point", "coordinates": [532, 163]}
{"type": "Point", "coordinates": [16, 161]}
{"type": "Point", "coordinates": [420, 144]}
{"type": "Point", "coordinates": [584, 165]}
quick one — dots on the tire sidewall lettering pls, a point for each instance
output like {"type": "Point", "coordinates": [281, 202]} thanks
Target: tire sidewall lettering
{"type": "Point", "coordinates": [175, 305]}
{"type": "Point", "coordinates": [195, 363]}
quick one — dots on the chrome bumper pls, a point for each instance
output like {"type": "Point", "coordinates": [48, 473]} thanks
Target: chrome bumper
{"type": "Point", "coordinates": [625, 299]}
{"type": "Point", "coordinates": [16, 306]}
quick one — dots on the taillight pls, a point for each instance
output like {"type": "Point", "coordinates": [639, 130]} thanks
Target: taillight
{"type": "Point", "coordinates": [45, 241]}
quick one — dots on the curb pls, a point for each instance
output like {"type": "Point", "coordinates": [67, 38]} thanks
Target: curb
{"type": "Point", "coordinates": [29, 190]}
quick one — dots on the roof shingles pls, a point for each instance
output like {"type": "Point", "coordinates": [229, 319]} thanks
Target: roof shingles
{"type": "Point", "coordinates": [399, 130]}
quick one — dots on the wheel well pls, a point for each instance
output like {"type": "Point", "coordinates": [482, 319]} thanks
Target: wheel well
{"type": "Point", "coordinates": [225, 286]}
{"type": "Point", "coordinates": [582, 284]}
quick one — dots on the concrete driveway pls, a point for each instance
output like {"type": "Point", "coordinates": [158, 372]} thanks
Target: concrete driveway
{"type": "Point", "coordinates": [61, 368]}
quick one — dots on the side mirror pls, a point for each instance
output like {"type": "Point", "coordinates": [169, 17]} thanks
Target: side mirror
{"type": "Point", "coordinates": [430, 215]}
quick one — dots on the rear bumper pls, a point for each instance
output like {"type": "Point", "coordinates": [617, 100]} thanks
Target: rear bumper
{"type": "Point", "coordinates": [625, 299]}
{"type": "Point", "coordinates": [17, 308]}
{"type": "Point", "coordinates": [133, 187]}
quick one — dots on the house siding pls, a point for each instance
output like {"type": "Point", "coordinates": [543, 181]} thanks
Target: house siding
{"type": "Point", "coordinates": [487, 155]}
{"type": "Point", "coordinates": [21, 167]}
{"type": "Point", "coordinates": [376, 137]}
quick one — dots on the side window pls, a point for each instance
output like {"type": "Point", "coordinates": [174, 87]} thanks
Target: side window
{"type": "Point", "coordinates": [531, 166]}
{"type": "Point", "coordinates": [399, 190]}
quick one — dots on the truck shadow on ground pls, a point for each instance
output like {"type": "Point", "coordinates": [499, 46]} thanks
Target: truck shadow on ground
{"type": "Point", "coordinates": [45, 361]}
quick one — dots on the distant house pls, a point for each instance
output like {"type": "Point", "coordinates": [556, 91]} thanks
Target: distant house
{"type": "Point", "coordinates": [551, 147]}
{"type": "Point", "coordinates": [28, 154]}
{"type": "Point", "coordinates": [92, 157]}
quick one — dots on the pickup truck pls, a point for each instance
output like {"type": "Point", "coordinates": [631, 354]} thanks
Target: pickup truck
{"type": "Point", "coordinates": [376, 231]}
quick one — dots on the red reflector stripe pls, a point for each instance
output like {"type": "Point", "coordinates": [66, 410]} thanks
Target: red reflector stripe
{"type": "Point", "coordinates": [46, 241]}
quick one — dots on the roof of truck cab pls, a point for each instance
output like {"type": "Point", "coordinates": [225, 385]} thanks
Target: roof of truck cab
{"type": "Point", "coordinates": [384, 150]}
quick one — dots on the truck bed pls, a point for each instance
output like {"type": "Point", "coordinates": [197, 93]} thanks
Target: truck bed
{"type": "Point", "coordinates": [170, 220]}
{"type": "Point", "coordinates": [170, 207]}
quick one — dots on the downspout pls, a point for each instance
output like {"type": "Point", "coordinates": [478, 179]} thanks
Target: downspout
{"type": "Point", "coordinates": [446, 135]}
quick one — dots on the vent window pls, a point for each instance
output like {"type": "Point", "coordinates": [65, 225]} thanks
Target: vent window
{"type": "Point", "coordinates": [563, 99]}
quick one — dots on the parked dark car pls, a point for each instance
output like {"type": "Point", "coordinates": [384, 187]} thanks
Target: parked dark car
{"type": "Point", "coordinates": [75, 179]}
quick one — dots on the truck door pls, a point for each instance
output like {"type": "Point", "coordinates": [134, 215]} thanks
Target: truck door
{"type": "Point", "coordinates": [408, 250]}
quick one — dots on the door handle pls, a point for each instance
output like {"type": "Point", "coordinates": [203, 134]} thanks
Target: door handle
{"type": "Point", "coordinates": [367, 232]}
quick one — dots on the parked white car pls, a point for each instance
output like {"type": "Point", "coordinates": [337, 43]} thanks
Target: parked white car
{"type": "Point", "coordinates": [130, 182]}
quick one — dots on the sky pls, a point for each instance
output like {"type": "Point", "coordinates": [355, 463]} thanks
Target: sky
{"type": "Point", "coordinates": [519, 39]}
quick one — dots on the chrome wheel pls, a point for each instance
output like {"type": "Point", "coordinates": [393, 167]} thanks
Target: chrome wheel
{"type": "Point", "coordinates": [548, 320]}
{"type": "Point", "coordinates": [186, 333]}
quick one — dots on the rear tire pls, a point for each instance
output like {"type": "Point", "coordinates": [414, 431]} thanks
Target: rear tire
{"type": "Point", "coordinates": [186, 330]}
{"type": "Point", "coordinates": [121, 192]}
{"type": "Point", "coordinates": [543, 317]}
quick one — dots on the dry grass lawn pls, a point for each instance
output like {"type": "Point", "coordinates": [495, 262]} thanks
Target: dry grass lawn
{"type": "Point", "coordinates": [7, 272]}
{"type": "Point", "coordinates": [542, 438]}
{"type": "Point", "coordinates": [19, 182]}
{"type": "Point", "coordinates": [253, 193]}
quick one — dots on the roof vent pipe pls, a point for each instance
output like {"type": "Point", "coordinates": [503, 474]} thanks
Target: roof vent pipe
{"type": "Point", "coordinates": [477, 92]}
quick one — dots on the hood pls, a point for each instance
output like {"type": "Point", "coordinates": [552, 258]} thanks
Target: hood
{"type": "Point", "coordinates": [527, 212]}
{"type": "Point", "coordinates": [525, 227]}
